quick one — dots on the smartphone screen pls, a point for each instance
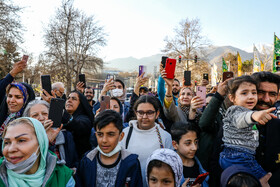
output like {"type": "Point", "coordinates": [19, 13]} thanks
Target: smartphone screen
{"type": "Point", "coordinates": [56, 111]}
{"type": "Point", "coordinates": [46, 83]}
{"type": "Point", "coordinates": [163, 60]}
{"type": "Point", "coordinates": [82, 78]}
{"type": "Point", "coordinates": [201, 92]}
{"type": "Point", "coordinates": [187, 77]}
{"type": "Point", "coordinates": [143, 69]}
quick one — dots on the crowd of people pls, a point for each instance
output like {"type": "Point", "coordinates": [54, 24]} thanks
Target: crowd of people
{"type": "Point", "coordinates": [169, 138]}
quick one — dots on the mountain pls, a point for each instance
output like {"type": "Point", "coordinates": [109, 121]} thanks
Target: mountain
{"type": "Point", "coordinates": [215, 54]}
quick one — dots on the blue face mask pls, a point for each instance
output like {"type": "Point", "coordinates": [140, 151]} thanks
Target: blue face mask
{"type": "Point", "coordinates": [117, 149]}
{"type": "Point", "coordinates": [24, 166]}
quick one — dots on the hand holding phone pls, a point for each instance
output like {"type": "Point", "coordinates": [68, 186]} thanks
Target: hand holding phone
{"type": "Point", "coordinates": [82, 78]}
{"type": "Point", "coordinates": [56, 111]}
{"type": "Point", "coordinates": [25, 58]}
{"type": "Point", "coordinates": [46, 83]}
{"type": "Point", "coordinates": [200, 178]}
{"type": "Point", "coordinates": [142, 69]}
{"type": "Point", "coordinates": [201, 92]}
{"type": "Point", "coordinates": [163, 60]}
{"type": "Point", "coordinates": [105, 103]}
{"type": "Point", "coordinates": [170, 67]}
{"type": "Point", "coordinates": [227, 75]}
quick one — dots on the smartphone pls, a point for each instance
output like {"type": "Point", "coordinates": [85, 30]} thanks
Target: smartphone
{"type": "Point", "coordinates": [105, 103]}
{"type": "Point", "coordinates": [170, 67]}
{"type": "Point", "coordinates": [205, 76]}
{"type": "Point", "coordinates": [200, 178]}
{"type": "Point", "coordinates": [109, 76]}
{"type": "Point", "coordinates": [46, 83]}
{"type": "Point", "coordinates": [227, 75]}
{"type": "Point", "coordinates": [163, 60]}
{"type": "Point", "coordinates": [82, 78]}
{"type": "Point", "coordinates": [25, 58]}
{"type": "Point", "coordinates": [201, 92]}
{"type": "Point", "coordinates": [187, 77]}
{"type": "Point", "coordinates": [143, 69]}
{"type": "Point", "coordinates": [56, 111]}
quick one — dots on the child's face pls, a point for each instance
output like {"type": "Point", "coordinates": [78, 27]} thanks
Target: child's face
{"type": "Point", "coordinates": [245, 95]}
{"type": "Point", "coordinates": [187, 146]}
{"type": "Point", "coordinates": [161, 177]}
{"type": "Point", "coordinates": [108, 137]}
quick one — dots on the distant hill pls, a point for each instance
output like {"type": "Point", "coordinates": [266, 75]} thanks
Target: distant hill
{"type": "Point", "coordinates": [215, 54]}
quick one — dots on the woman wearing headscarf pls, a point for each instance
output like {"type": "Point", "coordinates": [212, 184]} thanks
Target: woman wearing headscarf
{"type": "Point", "coordinates": [26, 160]}
{"type": "Point", "coordinates": [79, 121]}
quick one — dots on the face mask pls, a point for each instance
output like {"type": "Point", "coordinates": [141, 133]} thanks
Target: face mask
{"type": "Point", "coordinates": [117, 92]}
{"type": "Point", "coordinates": [117, 149]}
{"type": "Point", "coordinates": [24, 166]}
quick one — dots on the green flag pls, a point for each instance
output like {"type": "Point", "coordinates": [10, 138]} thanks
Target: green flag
{"type": "Point", "coordinates": [225, 68]}
{"type": "Point", "coordinates": [276, 51]}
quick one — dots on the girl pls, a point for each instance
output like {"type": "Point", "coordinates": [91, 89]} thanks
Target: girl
{"type": "Point", "coordinates": [240, 140]}
{"type": "Point", "coordinates": [164, 168]}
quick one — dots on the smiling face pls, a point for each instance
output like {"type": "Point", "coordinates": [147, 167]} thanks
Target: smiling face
{"type": "Point", "coordinates": [267, 95]}
{"type": "Point", "coordinates": [14, 100]}
{"type": "Point", "coordinates": [245, 95]}
{"type": "Point", "coordinates": [72, 103]}
{"type": "Point", "coordinates": [39, 112]}
{"type": "Point", "coordinates": [147, 120]}
{"type": "Point", "coordinates": [186, 96]}
{"type": "Point", "coordinates": [108, 137]}
{"type": "Point", "coordinates": [20, 142]}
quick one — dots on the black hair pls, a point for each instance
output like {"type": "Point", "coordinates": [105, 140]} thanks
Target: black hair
{"type": "Point", "coordinates": [178, 129]}
{"type": "Point", "coordinates": [92, 89]}
{"type": "Point", "coordinates": [119, 103]}
{"type": "Point", "coordinates": [118, 80]}
{"type": "Point", "coordinates": [266, 76]}
{"type": "Point", "coordinates": [108, 116]}
{"type": "Point", "coordinates": [243, 179]}
{"type": "Point", "coordinates": [234, 84]}
{"type": "Point", "coordinates": [147, 99]}
{"type": "Point", "coordinates": [158, 164]}
{"type": "Point", "coordinates": [177, 80]}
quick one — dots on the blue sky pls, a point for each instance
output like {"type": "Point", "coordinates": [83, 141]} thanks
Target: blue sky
{"type": "Point", "coordinates": [137, 28]}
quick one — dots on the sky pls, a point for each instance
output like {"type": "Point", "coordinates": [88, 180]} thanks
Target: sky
{"type": "Point", "coordinates": [137, 28]}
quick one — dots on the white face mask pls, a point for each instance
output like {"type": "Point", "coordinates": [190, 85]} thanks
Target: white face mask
{"type": "Point", "coordinates": [24, 166]}
{"type": "Point", "coordinates": [117, 92]}
{"type": "Point", "coordinates": [117, 149]}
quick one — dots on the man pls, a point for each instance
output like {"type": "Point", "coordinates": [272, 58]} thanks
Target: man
{"type": "Point", "coordinates": [89, 93]}
{"type": "Point", "coordinates": [268, 153]}
{"type": "Point", "coordinates": [58, 88]}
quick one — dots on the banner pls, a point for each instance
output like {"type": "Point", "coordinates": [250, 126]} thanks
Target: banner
{"type": "Point", "coordinates": [225, 67]}
{"type": "Point", "coordinates": [276, 51]}
{"type": "Point", "coordinates": [214, 75]}
{"type": "Point", "coordinates": [239, 61]}
{"type": "Point", "coordinates": [257, 64]}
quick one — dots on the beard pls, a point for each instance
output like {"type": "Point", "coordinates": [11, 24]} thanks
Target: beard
{"type": "Point", "coordinates": [175, 92]}
{"type": "Point", "coordinates": [89, 98]}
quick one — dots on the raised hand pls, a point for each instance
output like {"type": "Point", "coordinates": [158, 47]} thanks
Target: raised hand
{"type": "Point", "coordinates": [263, 116]}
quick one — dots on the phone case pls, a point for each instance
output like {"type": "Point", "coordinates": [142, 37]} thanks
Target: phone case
{"type": "Point", "coordinates": [56, 111]}
{"type": "Point", "coordinates": [105, 103]}
{"type": "Point", "coordinates": [25, 58]}
{"type": "Point", "coordinates": [227, 75]}
{"type": "Point", "coordinates": [170, 68]}
{"type": "Point", "coordinates": [82, 78]}
{"type": "Point", "coordinates": [143, 69]}
{"type": "Point", "coordinates": [46, 83]}
{"type": "Point", "coordinates": [201, 92]}
{"type": "Point", "coordinates": [200, 178]}
{"type": "Point", "coordinates": [205, 76]}
{"type": "Point", "coordinates": [187, 77]}
{"type": "Point", "coordinates": [109, 76]}
{"type": "Point", "coordinates": [163, 60]}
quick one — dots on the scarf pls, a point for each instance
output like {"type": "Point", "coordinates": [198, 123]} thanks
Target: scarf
{"type": "Point", "coordinates": [185, 109]}
{"type": "Point", "coordinates": [36, 179]}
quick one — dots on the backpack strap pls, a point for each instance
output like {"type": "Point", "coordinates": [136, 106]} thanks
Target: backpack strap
{"type": "Point", "coordinates": [128, 136]}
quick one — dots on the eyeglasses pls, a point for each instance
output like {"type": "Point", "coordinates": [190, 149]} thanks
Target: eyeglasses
{"type": "Point", "coordinates": [149, 113]}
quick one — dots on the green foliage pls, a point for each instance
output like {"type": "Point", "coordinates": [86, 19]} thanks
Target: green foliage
{"type": "Point", "coordinates": [247, 66]}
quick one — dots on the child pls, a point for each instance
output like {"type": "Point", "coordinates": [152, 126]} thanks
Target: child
{"type": "Point", "coordinates": [109, 164]}
{"type": "Point", "coordinates": [185, 141]}
{"type": "Point", "coordinates": [164, 168]}
{"type": "Point", "coordinates": [240, 140]}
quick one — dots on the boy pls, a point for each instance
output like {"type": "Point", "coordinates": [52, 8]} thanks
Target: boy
{"type": "Point", "coordinates": [109, 164]}
{"type": "Point", "coordinates": [185, 142]}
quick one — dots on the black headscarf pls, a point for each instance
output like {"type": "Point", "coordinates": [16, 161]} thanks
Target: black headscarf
{"type": "Point", "coordinates": [4, 105]}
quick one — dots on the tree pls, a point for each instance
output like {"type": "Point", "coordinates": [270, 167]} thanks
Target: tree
{"type": "Point", "coordinates": [232, 59]}
{"type": "Point", "coordinates": [247, 66]}
{"type": "Point", "coordinates": [73, 40]}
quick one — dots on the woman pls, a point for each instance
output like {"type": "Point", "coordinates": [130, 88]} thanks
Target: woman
{"type": "Point", "coordinates": [188, 105]}
{"type": "Point", "coordinates": [79, 121]}
{"type": "Point", "coordinates": [60, 142]}
{"type": "Point", "coordinates": [26, 160]}
{"type": "Point", "coordinates": [144, 135]}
